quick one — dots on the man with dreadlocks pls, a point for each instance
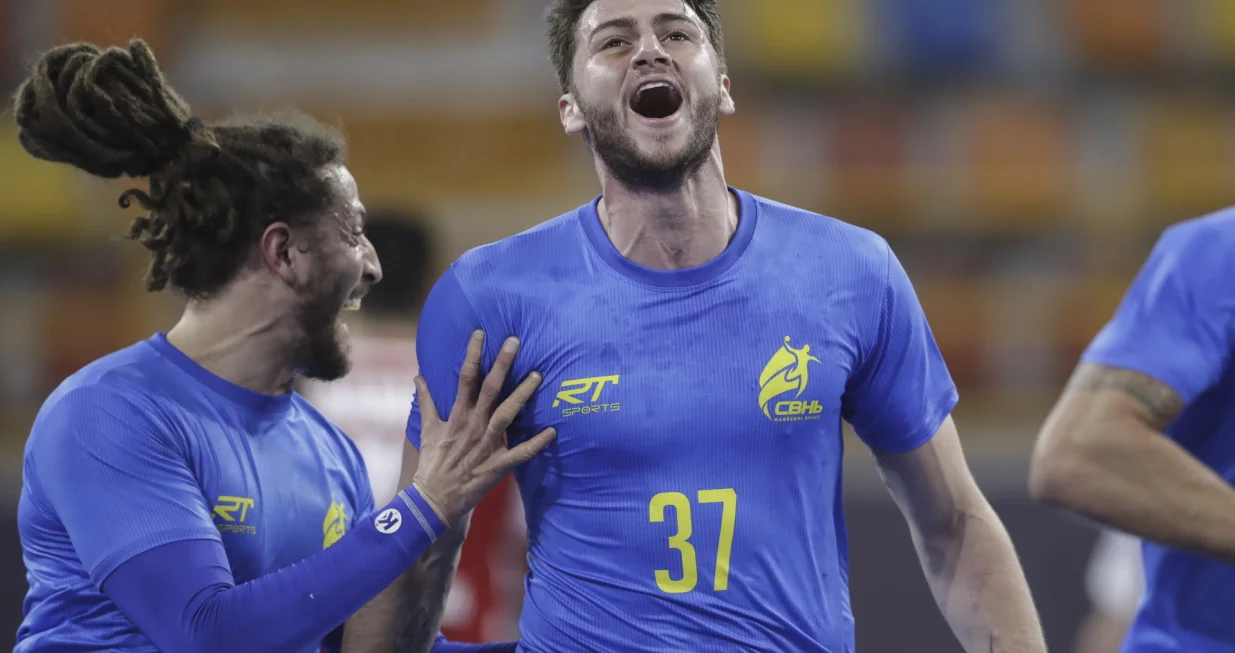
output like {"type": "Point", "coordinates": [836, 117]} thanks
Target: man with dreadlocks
{"type": "Point", "coordinates": [178, 495]}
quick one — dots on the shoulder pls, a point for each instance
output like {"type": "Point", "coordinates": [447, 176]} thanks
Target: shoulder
{"type": "Point", "coordinates": [114, 411]}
{"type": "Point", "coordinates": [1205, 244]}
{"type": "Point", "coordinates": [527, 265]}
{"type": "Point", "coordinates": [822, 240]}
{"type": "Point", "coordinates": [127, 382]}
{"type": "Point", "coordinates": [523, 253]}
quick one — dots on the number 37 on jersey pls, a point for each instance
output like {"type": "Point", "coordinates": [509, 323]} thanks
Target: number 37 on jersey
{"type": "Point", "coordinates": [681, 539]}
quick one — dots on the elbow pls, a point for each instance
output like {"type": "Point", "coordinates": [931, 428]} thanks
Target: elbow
{"type": "Point", "coordinates": [1057, 473]}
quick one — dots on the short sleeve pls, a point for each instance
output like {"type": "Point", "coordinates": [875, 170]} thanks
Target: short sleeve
{"type": "Point", "coordinates": [1174, 323]}
{"type": "Point", "coordinates": [446, 325]}
{"type": "Point", "coordinates": [109, 473]}
{"type": "Point", "coordinates": [901, 391]}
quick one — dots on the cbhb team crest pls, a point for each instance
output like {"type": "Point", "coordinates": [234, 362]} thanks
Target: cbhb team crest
{"type": "Point", "coordinates": [788, 372]}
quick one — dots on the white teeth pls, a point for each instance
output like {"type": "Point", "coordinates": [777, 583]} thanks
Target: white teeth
{"type": "Point", "coordinates": [352, 305]}
{"type": "Point", "coordinates": [652, 85]}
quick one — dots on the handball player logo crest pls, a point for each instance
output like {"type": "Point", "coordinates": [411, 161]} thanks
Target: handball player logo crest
{"type": "Point", "coordinates": [335, 524]}
{"type": "Point", "coordinates": [787, 372]}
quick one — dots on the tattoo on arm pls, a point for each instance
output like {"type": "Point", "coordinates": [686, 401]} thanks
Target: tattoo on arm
{"type": "Point", "coordinates": [416, 632]}
{"type": "Point", "coordinates": [1161, 403]}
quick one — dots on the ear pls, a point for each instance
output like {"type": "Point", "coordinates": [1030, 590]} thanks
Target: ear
{"type": "Point", "coordinates": [280, 255]}
{"type": "Point", "coordinates": [727, 108]}
{"type": "Point", "coordinates": [571, 116]}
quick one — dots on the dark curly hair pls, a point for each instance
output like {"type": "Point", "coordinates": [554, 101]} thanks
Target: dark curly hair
{"type": "Point", "coordinates": [214, 188]}
{"type": "Point", "coordinates": [563, 18]}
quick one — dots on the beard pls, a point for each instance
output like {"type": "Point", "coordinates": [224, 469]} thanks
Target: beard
{"type": "Point", "coordinates": [320, 352]}
{"type": "Point", "coordinates": [614, 143]}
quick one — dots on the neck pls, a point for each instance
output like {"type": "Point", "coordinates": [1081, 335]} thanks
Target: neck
{"type": "Point", "coordinates": [235, 342]}
{"type": "Point", "coordinates": [672, 228]}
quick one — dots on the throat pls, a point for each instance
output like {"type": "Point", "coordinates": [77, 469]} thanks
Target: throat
{"type": "Point", "coordinates": [670, 235]}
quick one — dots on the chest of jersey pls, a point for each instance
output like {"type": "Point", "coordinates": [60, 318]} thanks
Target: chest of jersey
{"type": "Point", "coordinates": [711, 382]}
{"type": "Point", "coordinates": [275, 497]}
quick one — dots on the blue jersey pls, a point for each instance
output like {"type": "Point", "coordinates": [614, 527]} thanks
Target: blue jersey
{"type": "Point", "coordinates": [143, 448]}
{"type": "Point", "coordinates": [1177, 324]}
{"type": "Point", "coordinates": [692, 499]}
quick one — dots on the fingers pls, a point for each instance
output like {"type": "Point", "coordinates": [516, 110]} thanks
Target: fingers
{"type": "Point", "coordinates": [428, 409]}
{"type": "Point", "coordinates": [469, 375]}
{"type": "Point", "coordinates": [497, 376]}
{"type": "Point", "coordinates": [506, 413]}
{"type": "Point", "coordinates": [512, 458]}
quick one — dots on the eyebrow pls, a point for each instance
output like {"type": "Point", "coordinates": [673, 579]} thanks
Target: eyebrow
{"type": "Point", "coordinates": [629, 23]}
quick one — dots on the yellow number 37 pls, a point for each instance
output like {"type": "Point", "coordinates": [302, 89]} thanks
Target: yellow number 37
{"type": "Point", "coordinates": [681, 540]}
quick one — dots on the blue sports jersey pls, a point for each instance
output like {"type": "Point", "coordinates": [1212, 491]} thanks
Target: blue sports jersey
{"type": "Point", "coordinates": [692, 499]}
{"type": "Point", "coordinates": [1177, 324]}
{"type": "Point", "coordinates": [143, 448]}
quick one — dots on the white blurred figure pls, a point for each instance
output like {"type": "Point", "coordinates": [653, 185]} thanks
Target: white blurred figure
{"type": "Point", "coordinates": [1115, 584]}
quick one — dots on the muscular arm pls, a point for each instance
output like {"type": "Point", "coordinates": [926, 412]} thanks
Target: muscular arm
{"type": "Point", "coordinates": [1102, 452]}
{"type": "Point", "coordinates": [966, 554]}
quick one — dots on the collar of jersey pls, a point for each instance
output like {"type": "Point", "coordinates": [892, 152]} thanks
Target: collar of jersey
{"type": "Point", "coordinates": [254, 401]}
{"type": "Point", "coordinates": [748, 215]}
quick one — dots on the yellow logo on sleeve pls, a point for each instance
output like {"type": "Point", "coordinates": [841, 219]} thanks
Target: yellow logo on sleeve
{"type": "Point", "coordinates": [787, 372]}
{"type": "Point", "coordinates": [335, 524]}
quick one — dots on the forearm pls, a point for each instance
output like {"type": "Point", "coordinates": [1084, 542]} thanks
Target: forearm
{"type": "Point", "coordinates": [406, 616]}
{"type": "Point", "coordinates": [428, 585]}
{"type": "Point", "coordinates": [977, 581]}
{"type": "Point", "coordinates": [196, 607]}
{"type": "Point", "coordinates": [1142, 483]}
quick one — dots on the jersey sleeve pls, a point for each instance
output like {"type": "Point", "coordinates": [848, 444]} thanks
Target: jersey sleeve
{"type": "Point", "coordinates": [114, 478]}
{"type": "Point", "coordinates": [182, 595]}
{"type": "Point", "coordinates": [901, 391]}
{"type": "Point", "coordinates": [1175, 321]}
{"type": "Point", "coordinates": [446, 325]}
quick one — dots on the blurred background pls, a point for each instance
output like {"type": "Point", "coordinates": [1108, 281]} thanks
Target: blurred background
{"type": "Point", "coordinates": [1020, 155]}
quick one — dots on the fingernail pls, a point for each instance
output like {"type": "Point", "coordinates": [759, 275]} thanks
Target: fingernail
{"type": "Point", "coordinates": [511, 344]}
{"type": "Point", "coordinates": [478, 335]}
{"type": "Point", "coordinates": [535, 376]}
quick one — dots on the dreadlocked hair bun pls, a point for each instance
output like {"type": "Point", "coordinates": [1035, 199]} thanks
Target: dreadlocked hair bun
{"type": "Point", "coordinates": [109, 113]}
{"type": "Point", "coordinates": [213, 188]}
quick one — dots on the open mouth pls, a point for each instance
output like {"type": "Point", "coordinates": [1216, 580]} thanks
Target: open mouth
{"type": "Point", "coordinates": [656, 100]}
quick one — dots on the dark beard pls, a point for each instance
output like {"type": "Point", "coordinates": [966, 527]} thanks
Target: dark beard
{"type": "Point", "coordinates": [320, 354]}
{"type": "Point", "coordinates": [620, 153]}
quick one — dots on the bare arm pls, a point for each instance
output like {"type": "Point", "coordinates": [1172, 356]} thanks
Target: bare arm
{"type": "Point", "coordinates": [966, 554]}
{"type": "Point", "coordinates": [453, 473]}
{"type": "Point", "coordinates": [1102, 453]}
{"type": "Point", "coordinates": [406, 617]}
